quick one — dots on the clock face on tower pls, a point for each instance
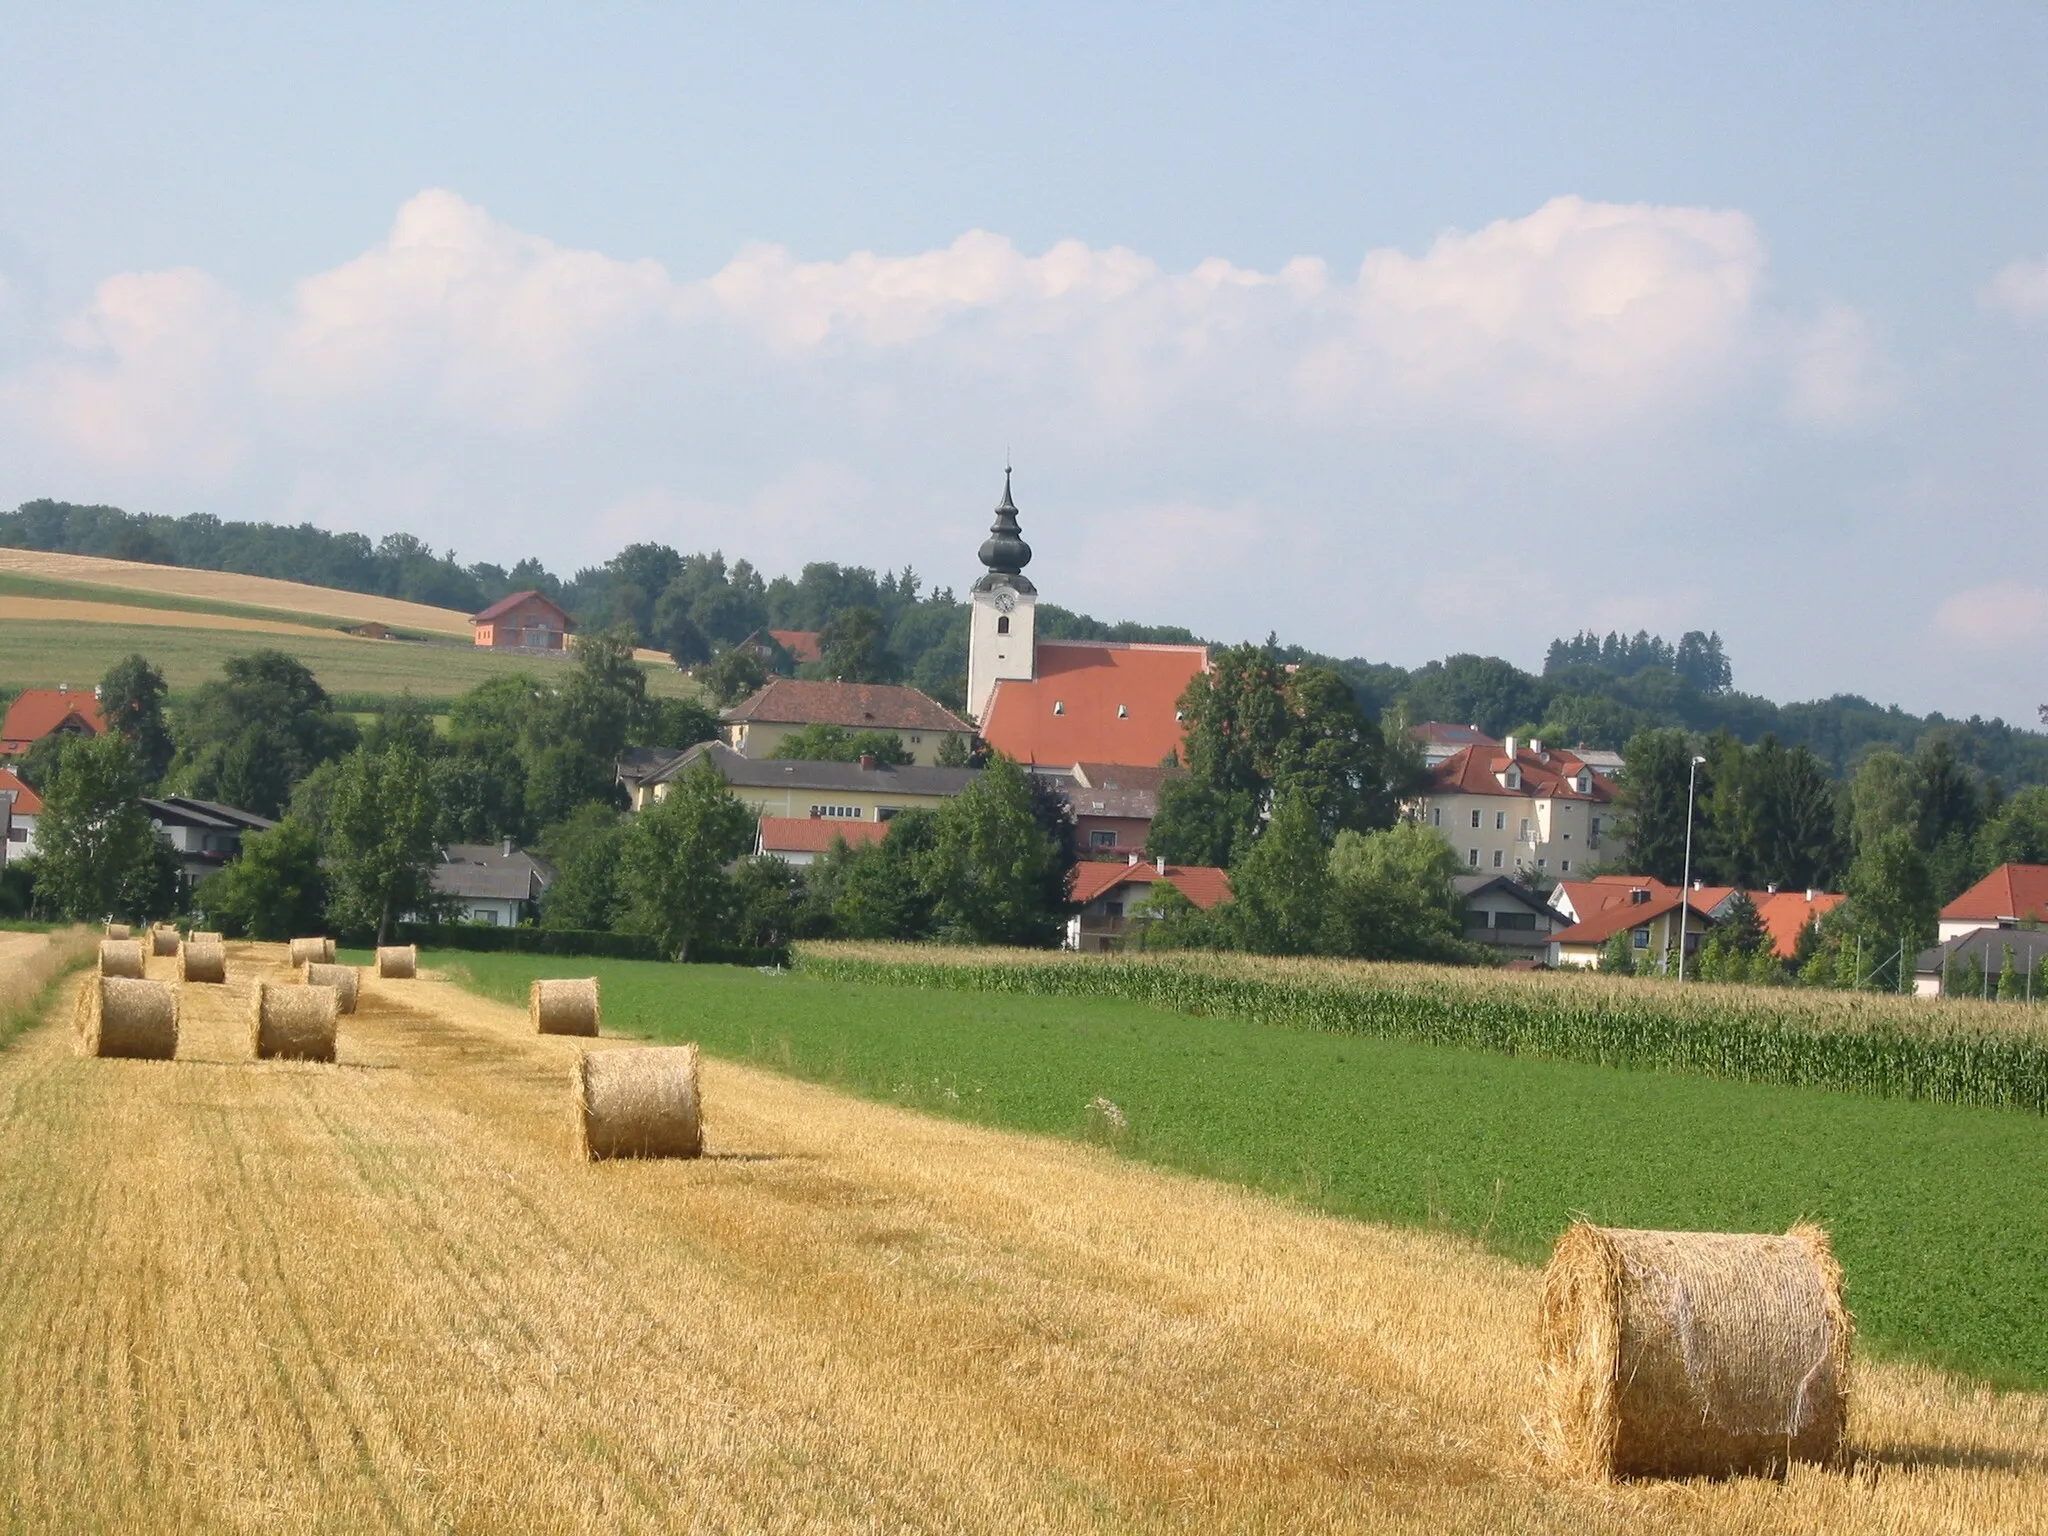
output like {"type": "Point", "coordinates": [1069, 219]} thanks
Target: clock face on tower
{"type": "Point", "coordinates": [1005, 600]}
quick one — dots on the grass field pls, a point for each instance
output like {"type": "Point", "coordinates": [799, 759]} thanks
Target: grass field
{"type": "Point", "coordinates": [35, 654]}
{"type": "Point", "coordinates": [1937, 1211]}
{"type": "Point", "coordinates": [383, 1295]}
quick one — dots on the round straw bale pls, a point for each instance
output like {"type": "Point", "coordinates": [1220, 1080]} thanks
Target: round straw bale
{"type": "Point", "coordinates": [203, 936]}
{"type": "Point", "coordinates": [398, 962]}
{"type": "Point", "coordinates": [123, 957]}
{"type": "Point", "coordinates": [1693, 1354]}
{"type": "Point", "coordinates": [639, 1102]}
{"type": "Point", "coordinates": [124, 1016]}
{"type": "Point", "coordinates": [163, 940]}
{"type": "Point", "coordinates": [206, 962]}
{"type": "Point", "coordinates": [563, 1007]}
{"type": "Point", "coordinates": [313, 951]}
{"type": "Point", "coordinates": [119, 931]}
{"type": "Point", "coordinates": [296, 1023]}
{"type": "Point", "coordinates": [342, 978]}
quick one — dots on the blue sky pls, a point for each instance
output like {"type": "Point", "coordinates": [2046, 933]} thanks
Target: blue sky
{"type": "Point", "coordinates": [1398, 332]}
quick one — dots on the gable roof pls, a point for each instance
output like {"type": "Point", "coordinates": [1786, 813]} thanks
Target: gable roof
{"type": "Point", "coordinates": [853, 706]}
{"type": "Point", "coordinates": [211, 815]}
{"type": "Point", "coordinates": [36, 712]}
{"type": "Point", "coordinates": [1200, 883]}
{"type": "Point", "coordinates": [1470, 886]}
{"type": "Point", "coordinates": [802, 644]}
{"type": "Point", "coordinates": [1987, 947]}
{"type": "Point", "coordinates": [1609, 906]}
{"type": "Point", "coordinates": [486, 872]}
{"type": "Point", "coordinates": [2014, 892]}
{"type": "Point", "coordinates": [1094, 702]}
{"type": "Point", "coordinates": [1545, 775]}
{"type": "Point", "coordinates": [742, 772]}
{"type": "Point", "coordinates": [1787, 914]}
{"type": "Point", "coordinates": [815, 834]}
{"type": "Point", "coordinates": [26, 801]}
{"type": "Point", "coordinates": [505, 605]}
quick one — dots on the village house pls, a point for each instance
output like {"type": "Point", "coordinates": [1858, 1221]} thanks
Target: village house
{"type": "Point", "coordinates": [799, 645]}
{"type": "Point", "coordinates": [20, 806]}
{"type": "Point", "coordinates": [1109, 896]}
{"type": "Point", "coordinates": [1113, 806]}
{"type": "Point", "coordinates": [1055, 702]}
{"type": "Point", "coordinates": [798, 840]}
{"type": "Point", "coordinates": [496, 884]}
{"type": "Point", "coordinates": [524, 621]}
{"type": "Point", "coordinates": [205, 834]}
{"type": "Point", "coordinates": [1970, 963]}
{"type": "Point", "coordinates": [1784, 914]}
{"type": "Point", "coordinates": [760, 723]}
{"type": "Point", "coordinates": [1521, 809]}
{"type": "Point", "coordinates": [39, 712]}
{"type": "Point", "coordinates": [2011, 895]}
{"type": "Point", "coordinates": [1439, 739]}
{"type": "Point", "coordinates": [1648, 911]}
{"type": "Point", "coordinates": [868, 790]}
{"type": "Point", "coordinates": [1505, 915]}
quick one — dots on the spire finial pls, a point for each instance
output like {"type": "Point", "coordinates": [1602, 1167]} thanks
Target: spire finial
{"type": "Point", "coordinates": [1004, 552]}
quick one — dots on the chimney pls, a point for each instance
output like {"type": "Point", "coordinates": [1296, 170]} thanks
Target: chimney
{"type": "Point", "coordinates": [1162, 864]}
{"type": "Point", "coordinates": [1132, 859]}
{"type": "Point", "coordinates": [1810, 894]}
{"type": "Point", "coordinates": [867, 761]}
{"type": "Point", "coordinates": [1536, 745]}
{"type": "Point", "coordinates": [505, 847]}
{"type": "Point", "coordinates": [63, 687]}
{"type": "Point", "coordinates": [1509, 745]}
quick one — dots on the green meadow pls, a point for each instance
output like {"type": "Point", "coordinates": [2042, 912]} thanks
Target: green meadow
{"type": "Point", "coordinates": [1937, 1211]}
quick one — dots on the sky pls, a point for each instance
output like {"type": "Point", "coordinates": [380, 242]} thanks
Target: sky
{"type": "Point", "coordinates": [1398, 331]}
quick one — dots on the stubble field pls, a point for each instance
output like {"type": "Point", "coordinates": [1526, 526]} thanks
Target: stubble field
{"type": "Point", "coordinates": [382, 1295]}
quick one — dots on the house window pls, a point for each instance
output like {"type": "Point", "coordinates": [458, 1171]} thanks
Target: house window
{"type": "Point", "coordinates": [1436, 816]}
{"type": "Point", "coordinates": [1541, 862]}
{"type": "Point", "coordinates": [837, 812]}
{"type": "Point", "coordinates": [1497, 858]}
{"type": "Point", "coordinates": [1472, 857]}
{"type": "Point", "coordinates": [1642, 938]}
{"type": "Point", "coordinates": [1002, 626]}
{"type": "Point", "coordinates": [1113, 908]}
{"type": "Point", "coordinates": [917, 741]}
{"type": "Point", "coordinates": [17, 834]}
{"type": "Point", "coordinates": [1566, 866]}
{"type": "Point", "coordinates": [1500, 821]}
{"type": "Point", "coordinates": [1475, 820]}
{"type": "Point", "coordinates": [1102, 839]}
{"type": "Point", "coordinates": [1524, 922]}
{"type": "Point", "coordinates": [1525, 826]}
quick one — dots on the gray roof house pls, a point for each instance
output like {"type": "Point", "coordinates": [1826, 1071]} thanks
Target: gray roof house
{"type": "Point", "coordinates": [1504, 913]}
{"type": "Point", "coordinates": [492, 883]}
{"type": "Point", "coordinates": [204, 833]}
{"type": "Point", "coordinates": [1982, 951]}
{"type": "Point", "coordinates": [868, 790]}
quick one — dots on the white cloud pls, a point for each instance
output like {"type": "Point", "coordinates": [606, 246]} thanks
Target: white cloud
{"type": "Point", "coordinates": [1838, 374]}
{"type": "Point", "coordinates": [1994, 618]}
{"type": "Point", "coordinates": [2021, 288]}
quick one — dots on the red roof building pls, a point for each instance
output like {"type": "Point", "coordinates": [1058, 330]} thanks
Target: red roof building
{"type": "Point", "coordinates": [19, 808]}
{"type": "Point", "coordinates": [759, 723]}
{"type": "Point", "coordinates": [39, 712]}
{"type": "Point", "coordinates": [1093, 701]}
{"type": "Point", "coordinates": [802, 644]}
{"type": "Point", "coordinates": [2010, 895]}
{"type": "Point", "coordinates": [524, 621]}
{"type": "Point", "coordinates": [1645, 909]}
{"type": "Point", "coordinates": [800, 839]}
{"type": "Point", "coordinates": [1520, 807]}
{"type": "Point", "coordinates": [1106, 892]}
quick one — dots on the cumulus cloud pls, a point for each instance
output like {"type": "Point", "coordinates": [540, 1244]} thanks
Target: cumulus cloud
{"type": "Point", "coordinates": [2021, 288]}
{"type": "Point", "coordinates": [1994, 618]}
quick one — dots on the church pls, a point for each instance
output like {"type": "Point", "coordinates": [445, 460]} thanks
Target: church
{"type": "Point", "coordinates": [1054, 704]}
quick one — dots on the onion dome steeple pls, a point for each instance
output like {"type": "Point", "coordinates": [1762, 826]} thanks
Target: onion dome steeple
{"type": "Point", "coordinates": [1004, 551]}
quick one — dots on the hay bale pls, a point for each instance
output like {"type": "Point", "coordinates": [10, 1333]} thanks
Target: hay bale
{"type": "Point", "coordinates": [197, 936]}
{"type": "Point", "coordinates": [123, 957]}
{"type": "Point", "coordinates": [119, 931]}
{"type": "Point", "coordinates": [312, 951]}
{"type": "Point", "coordinates": [398, 962]}
{"type": "Point", "coordinates": [292, 1023]}
{"type": "Point", "coordinates": [206, 962]}
{"type": "Point", "coordinates": [124, 1016]}
{"type": "Point", "coordinates": [563, 1007]}
{"type": "Point", "coordinates": [163, 940]}
{"type": "Point", "coordinates": [640, 1102]}
{"type": "Point", "coordinates": [1693, 1354]}
{"type": "Point", "coordinates": [342, 978]}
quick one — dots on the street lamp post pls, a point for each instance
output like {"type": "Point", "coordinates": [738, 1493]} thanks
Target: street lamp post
{"type": "Point", "coordinates": [1685, 886]}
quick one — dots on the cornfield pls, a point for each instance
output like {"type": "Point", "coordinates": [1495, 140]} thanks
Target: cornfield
{"type": "Point", "coordinates": [1953, 1053]}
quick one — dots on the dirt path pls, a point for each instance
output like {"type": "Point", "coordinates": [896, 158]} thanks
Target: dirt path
{"type": "Point", "coordinates": [383, 1294]}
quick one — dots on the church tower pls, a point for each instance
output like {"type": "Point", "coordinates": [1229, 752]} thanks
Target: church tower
{"type": "Point", "coordinates": [1002, 633]}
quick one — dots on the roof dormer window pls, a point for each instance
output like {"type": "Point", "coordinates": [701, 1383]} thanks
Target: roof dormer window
{"type": "Point", "coordinates": [1059, 706]}
{"type": "Point", "coordinates": [1512, 777]}
{"type": "Point", "coordinates": [1123, 712]}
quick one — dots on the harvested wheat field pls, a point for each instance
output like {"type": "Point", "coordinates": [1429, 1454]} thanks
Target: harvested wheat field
{"type": "Point", "coordinates": [57, 610]}
{"type": "Point", "coordinates": [386, 1293]}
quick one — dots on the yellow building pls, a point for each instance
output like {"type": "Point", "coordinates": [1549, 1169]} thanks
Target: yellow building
{"type": "Point", "coordinates": [822, 791]}
{"type": "Point", "coordinates": [757, 725]}
{"type": "Point", "coordinates": [1519, 809]}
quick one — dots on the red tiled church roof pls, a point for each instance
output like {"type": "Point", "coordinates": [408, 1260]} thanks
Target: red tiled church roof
{"type": "Point", "coordinates": [1094, 702]}
{"type": "Point", "coordinates": [36, 712]}
{"type": "Point", "coordinates": [1201, 884]}
{"type": "Point", "coordinates": [2014, 891]}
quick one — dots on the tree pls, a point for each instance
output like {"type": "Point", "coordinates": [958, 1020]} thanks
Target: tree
{"type": "Point", "coordinates": [875, 890]}
{"type": "Point", "coordinates": [1651, 802]}
{"type": "Point", "coordinates": [571, 738]}
{"type": "Point", "coordinates": [735, 675]}
{"type": "Point", "coordinates": [1480, 690]}
{"type": "Point", "coordinates": [955, 751]}
{"type": "Point", "coordinates": [274, 890]}
{"type": "Point", "coordinates": [2010, 988]}
{"type": "Point", "coordinates": [95, 847]}
{"type": "Point", "coordinates": [381, 839]}
{"type": "Point", "coordinates": [672, 862]}
{"type": "Point", "coordinates": [768, 894]}
{"type": "Point", "coordinates": [1618, 954]}
{"type": "Point", "coordinates": [1885, 794]}
{"type": "Point", "coordinates": [1281, 888]}
{"type": "Point", "coordinates": [675, 724]}
{"type": "Point", "coordinates": [819, 743]}
{"type": "Point", "coordinates": [2018, 834]}
{"type": "Point", "coordinates": [1741, 928]}
{"type": "Point", "coordinates": [132, 702]}
{"type": "Point", "coordinates": [584, 850]}
{"type": "Point", "coordinates": [1891, 894]}
{"type": "Point", "coordinates": [995, 876]}
{"type": "Point", "coordinates": [1394, 897]}
{"type": "Point", "coordinates": [853, 647]}
{"type": "Point", "coordinates": [248, 737]}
